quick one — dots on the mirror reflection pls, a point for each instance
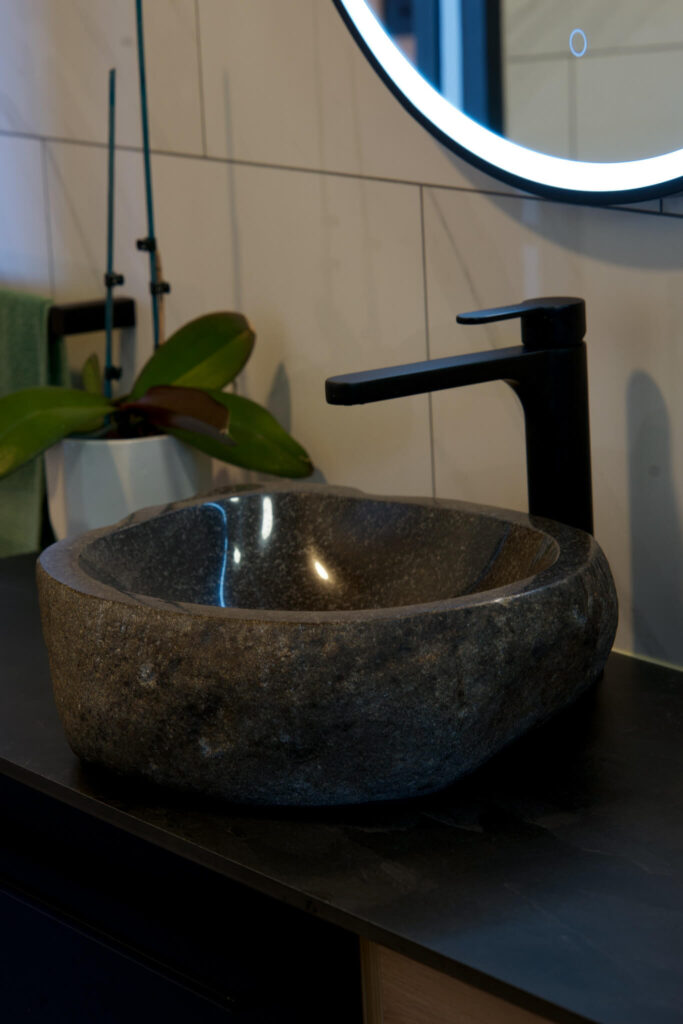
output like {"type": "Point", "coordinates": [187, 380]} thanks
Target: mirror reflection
{"type": "Point", "coordinates": [583, 79]}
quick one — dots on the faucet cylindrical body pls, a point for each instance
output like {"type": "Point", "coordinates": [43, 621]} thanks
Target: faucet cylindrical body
{"type": "Point", "coordinates": [554, 397]}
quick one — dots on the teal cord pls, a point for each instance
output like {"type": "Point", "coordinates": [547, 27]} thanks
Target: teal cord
{"type": "Point", "coordinates": [148, 174]}
{"type": "Point", "coordinates": [109, 306]}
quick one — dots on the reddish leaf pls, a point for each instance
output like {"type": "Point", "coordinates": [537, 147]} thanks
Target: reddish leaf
{"type": "Point", "coordinates": [163, 401]}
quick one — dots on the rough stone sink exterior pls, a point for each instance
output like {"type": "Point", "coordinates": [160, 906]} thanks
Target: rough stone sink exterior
{"type": "Point", "coordinates": [314, 645]}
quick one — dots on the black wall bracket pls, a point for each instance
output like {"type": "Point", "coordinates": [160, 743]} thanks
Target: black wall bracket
{"type": "Point", "coordinates": [86, 317]}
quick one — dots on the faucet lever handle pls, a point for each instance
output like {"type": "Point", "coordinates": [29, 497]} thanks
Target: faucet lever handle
{"type": "Point", "coordinates": [552, 322]}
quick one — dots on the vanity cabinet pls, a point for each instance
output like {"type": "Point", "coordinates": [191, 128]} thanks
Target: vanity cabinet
{"type": "Point", "coordinates": [98, 926]}
{"type": "Point", "coordinates": [51, 971]}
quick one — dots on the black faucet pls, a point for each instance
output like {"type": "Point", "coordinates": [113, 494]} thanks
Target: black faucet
{"type": "Point", "coordinates": [548, 373]}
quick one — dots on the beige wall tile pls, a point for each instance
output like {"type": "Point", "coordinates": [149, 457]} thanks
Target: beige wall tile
{"type": "Point", "coordinates": [77, 189]}
{"type": "Point", "coordinates": [331, 277]}
{"type": "Point", "coordinates": [647, 206]}
{"type": "Point", "coordinates": [55, 59]}
{"type": "Point", "coordinates": [289, 86]}
{"type": "Point", "coordinates": [673, 204]}
{"type": "Point", "coordinates": [195, 212]}
{"type": "Point", "coordinates": [24, 256]}
{"type": "Point", "coordinates": [260, 81]}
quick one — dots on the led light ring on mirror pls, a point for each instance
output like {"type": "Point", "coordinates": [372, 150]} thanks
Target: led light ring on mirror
{"type": "Point", "coordinates": [572, 180]}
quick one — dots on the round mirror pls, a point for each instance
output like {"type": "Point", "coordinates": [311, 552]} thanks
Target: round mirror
{"type": "Point", "coordinates": [576, 99]}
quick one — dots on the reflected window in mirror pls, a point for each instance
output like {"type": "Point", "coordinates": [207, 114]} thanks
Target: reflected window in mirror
{"type": "Point", "coordinates": [456, 46]}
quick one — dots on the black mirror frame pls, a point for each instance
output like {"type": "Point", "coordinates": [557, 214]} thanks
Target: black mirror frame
{"type": "Point", "coordinates": [603, 197]}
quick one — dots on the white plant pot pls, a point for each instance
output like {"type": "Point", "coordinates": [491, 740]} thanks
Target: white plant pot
{"type": "Point", "coordinates": [93, 482]}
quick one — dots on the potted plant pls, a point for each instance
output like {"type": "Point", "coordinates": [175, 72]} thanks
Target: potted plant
{"type": "Point", "coordinates": [108, 456]}
{"type": "Point", "coordinates": [144, 439]}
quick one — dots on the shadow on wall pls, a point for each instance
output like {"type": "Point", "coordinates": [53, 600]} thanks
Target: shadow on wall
{"type": "Point", "coordinates": [644, 240]}
{"type": "Point", "coordinates": [656, 537]}
{"type": "Point", "coordinates": [280, 398]}
{"type": "Point", "coordinates": [279, 403]}
{"type": "Point", "coordinates": [232, 196]}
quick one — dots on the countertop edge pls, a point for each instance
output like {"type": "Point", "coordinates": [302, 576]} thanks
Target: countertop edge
{"type": "Point", "coordinates": [295, 898]}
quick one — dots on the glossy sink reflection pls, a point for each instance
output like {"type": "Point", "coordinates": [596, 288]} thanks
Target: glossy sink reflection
{"type": "Point", "coordinates": [316, 551]}
{"type": "Point", "coordinates": [302, 644]}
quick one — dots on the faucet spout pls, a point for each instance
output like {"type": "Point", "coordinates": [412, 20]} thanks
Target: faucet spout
{"type": "Point", "coordinates": [430, 375]}
{"type": "Point", "coordinates": [551, 383]}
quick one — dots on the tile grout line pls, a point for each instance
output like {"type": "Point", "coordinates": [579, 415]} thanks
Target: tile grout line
{"type": "Point", "coordinates": [598, 53]}
{"type": "Point", "coordinates": [200, 69]}
{"type": "Point", "coordinates": [352, 175]}
{"type": "Point", "coordinates": [425, 299]}
{"type": "Point", "coordinates": [48, 219]}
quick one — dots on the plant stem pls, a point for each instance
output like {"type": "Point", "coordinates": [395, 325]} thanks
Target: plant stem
{"type": "Point", "coordinates": [151, 239]}
{"type": "Point", "coordinates": [109, 306]}
{"type": "Point", "coordinates": [160, 298]}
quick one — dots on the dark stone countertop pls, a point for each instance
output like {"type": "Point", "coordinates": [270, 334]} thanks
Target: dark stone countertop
{"type": "Point", "coordinates": [552, 877]}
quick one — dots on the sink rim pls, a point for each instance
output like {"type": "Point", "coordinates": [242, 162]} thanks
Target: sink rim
{"type": "Point", "coordinates": [575, 550]}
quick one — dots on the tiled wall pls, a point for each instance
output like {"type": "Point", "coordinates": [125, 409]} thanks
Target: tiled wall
{"type": "Point", "coordinates": [291, 185]}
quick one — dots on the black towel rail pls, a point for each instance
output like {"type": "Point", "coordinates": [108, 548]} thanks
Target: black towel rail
{"type": "Point", "coordinates": [86, 317]}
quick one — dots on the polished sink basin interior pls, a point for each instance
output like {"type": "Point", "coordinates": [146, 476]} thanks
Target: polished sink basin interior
{"type": "Point", "coordinates": [305, 644]}
{"type": "Point", "coordinates": [316, 551]}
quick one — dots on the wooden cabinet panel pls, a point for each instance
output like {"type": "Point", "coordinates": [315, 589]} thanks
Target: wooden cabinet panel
{"type": "Point", "coordinates": [397, 990]}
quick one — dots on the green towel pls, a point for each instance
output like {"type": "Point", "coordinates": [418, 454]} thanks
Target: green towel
{"type": "Point", "coordinates": [25, 362]}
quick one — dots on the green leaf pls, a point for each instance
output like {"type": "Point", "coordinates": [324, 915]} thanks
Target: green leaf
{"type": "Point", "coordinates": [33, 419]}
{"type": "Point", "coordinates": [91, 376]}
{"type": "Point", "coordinates": [205, 353]}
{"type": "Point", "coordinates": [261, 443]}
{"type": "Point", "coordinates": [200, 436]}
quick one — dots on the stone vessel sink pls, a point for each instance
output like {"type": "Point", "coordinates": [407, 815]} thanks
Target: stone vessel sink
{"type": "Point", "coordinates": [315, 645]}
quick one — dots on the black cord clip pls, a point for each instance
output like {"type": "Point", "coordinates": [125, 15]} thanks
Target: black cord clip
{"type": "Point", "coordinates": [112, 372]}
{"type": "Point", "coordinates": [159, 287]}
{"type": "Point", "coordinates": [112, 279]}
{"type": "Point", "coordinates": [147, 244]}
